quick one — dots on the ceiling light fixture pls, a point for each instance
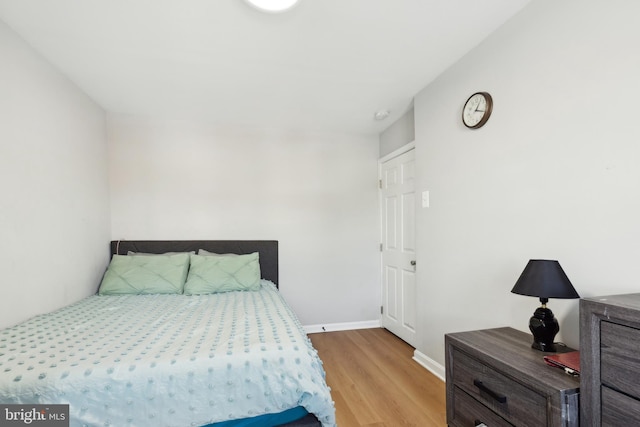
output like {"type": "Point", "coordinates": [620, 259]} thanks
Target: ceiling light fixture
{"type": "Point", "coordinates": [381, 115]}
{"type": "Point", "coordinates": [272, 6]}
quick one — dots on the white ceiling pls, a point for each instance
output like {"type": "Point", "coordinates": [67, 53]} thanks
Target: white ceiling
{"type": "Point", "coordinates": [324, 65]}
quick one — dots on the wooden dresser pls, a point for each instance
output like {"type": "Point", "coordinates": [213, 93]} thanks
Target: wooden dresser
{"type": "Point", "coordinates": [610, 360]}
{"type": "Point", "coordinates": [495, 378]}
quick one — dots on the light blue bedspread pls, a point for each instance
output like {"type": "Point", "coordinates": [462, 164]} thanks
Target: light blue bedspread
{"type": "Point", "coordinates": [166, 360]}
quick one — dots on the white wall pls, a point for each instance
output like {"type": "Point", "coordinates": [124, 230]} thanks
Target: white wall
{"type": "Point", "coordinates": [314, 193]}
{"type": "Point", "coordinates": [399, 133]}
{"type": "Point", "coordinates": [54, 210]}
{"type": "Point", "coordinates": [554, 174]}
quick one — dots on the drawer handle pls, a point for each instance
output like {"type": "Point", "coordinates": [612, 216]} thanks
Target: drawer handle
{"type": "Point", "coordinates": [499, 397]}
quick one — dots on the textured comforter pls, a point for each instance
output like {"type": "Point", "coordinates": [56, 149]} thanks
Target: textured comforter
{"type": "Point", "coordinates": [166, 360]}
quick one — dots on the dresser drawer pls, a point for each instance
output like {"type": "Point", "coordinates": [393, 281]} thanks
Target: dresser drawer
{"type": "Point", "coordinates": [619, 409]}
{"type": "Point", "coordinates": [619, 357]}
{"type": "Point", "coordinates": [505, 396]}
{"type": "Point", "coordinates": [468, 412]}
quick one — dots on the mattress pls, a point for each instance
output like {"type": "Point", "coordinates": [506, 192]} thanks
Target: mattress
{"type": "Point", "coordinates": [166, 360]}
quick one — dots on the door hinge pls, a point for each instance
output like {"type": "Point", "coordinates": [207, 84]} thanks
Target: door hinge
{"type": "Point", "coordinates": [380, 184]}
{"type": "Point", "coordinates": [382, 309]}
{"type": "Point", "coordinates": [381, 247]}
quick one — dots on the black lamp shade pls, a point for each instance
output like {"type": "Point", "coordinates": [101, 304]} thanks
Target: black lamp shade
{"type": "Point", "coordinates": [544, 279]}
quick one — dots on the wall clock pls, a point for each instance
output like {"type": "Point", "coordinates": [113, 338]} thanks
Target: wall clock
{"type": "Point", "coordinates": [477, 110]}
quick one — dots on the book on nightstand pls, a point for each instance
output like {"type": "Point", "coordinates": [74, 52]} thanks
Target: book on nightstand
{"type": "Point", "coordinates": [570, 361]}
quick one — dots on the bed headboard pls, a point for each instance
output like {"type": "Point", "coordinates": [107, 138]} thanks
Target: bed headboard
{"type": "Point", "coordinates": [268, 250]}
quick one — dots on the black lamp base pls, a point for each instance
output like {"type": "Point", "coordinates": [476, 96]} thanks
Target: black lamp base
{"type": "Point", "coordinates": [544, 327]}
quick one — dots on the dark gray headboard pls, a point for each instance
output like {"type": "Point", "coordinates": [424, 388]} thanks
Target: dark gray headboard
{"type": "Point", "coordinates": [268, 250]}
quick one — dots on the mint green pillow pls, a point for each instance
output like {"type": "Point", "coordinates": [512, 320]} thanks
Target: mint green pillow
{"type": "Point", "coordinates": [145, 274]}
{"type": "Point", "coordinates": [223, 273]}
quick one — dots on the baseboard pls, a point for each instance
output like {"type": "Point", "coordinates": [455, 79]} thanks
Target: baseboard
{"type": "Point", "coordinates": [331, 327]}
{"type": "Point", "coordinates": [429, 364]}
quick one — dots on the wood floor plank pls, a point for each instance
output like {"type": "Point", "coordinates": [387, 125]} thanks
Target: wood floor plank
{"type": "Point", "coordinates": [389, 350]}
{"type": "Point", "coordinates": [420, 393]}
{"type": "Point", "coordinates": [347, 418]}
{"type": "Point", "coordinates": [376, 383]}
{"type": "Point", "coordinates": [347, 372]}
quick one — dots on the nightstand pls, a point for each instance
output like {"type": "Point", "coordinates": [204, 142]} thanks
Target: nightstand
{"type": "Point", "coordinates": [495, 378]}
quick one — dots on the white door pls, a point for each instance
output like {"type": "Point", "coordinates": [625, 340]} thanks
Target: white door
{"type": "Point", "coordinates": [398, 245]}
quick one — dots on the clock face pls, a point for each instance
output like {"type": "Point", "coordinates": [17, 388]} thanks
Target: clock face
{"type": "Point", "coordinates": [477, 110]}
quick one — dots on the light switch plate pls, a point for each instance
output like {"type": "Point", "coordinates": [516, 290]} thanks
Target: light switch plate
{"type": "Point", "coordinates": [425, 199]}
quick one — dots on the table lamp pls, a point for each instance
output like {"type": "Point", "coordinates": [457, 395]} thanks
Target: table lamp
{"type": "Point", "coordinates": [544, 279]}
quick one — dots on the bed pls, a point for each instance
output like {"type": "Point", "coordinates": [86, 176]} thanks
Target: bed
{"type": "Point", "coordinates": [150, 356]}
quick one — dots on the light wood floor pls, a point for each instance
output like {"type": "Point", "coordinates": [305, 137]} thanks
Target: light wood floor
{"type": "Point", "coordinates": [375, 383]}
